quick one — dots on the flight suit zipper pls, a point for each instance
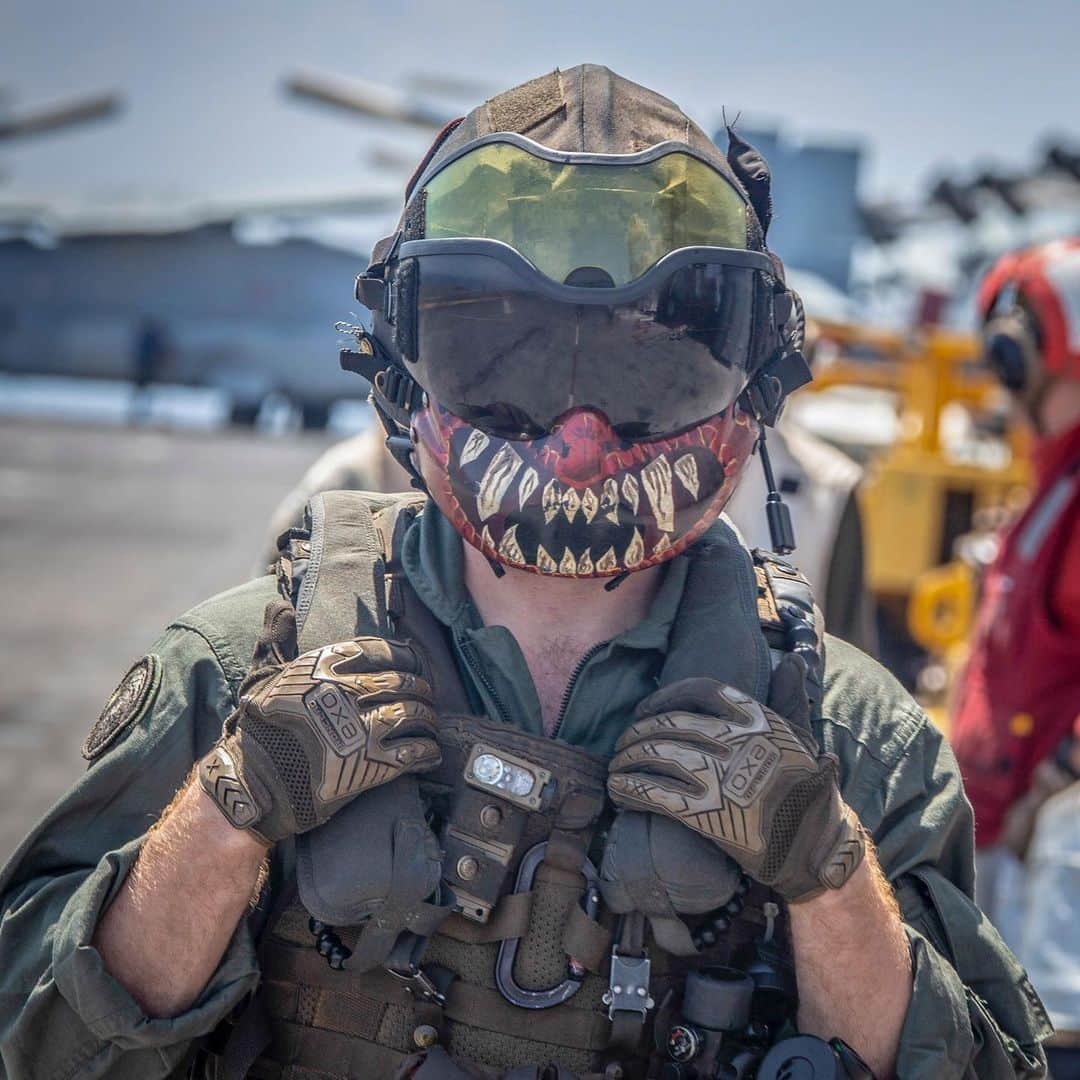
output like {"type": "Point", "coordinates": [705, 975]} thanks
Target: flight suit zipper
{"type": "Point", "coordinates": [477, 670]}
{"type": "Point", "coordinates": [574, 675]}
{"type": "Point", "coordinates": [472, 661]}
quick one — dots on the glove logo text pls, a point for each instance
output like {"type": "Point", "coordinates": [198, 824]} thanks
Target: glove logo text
{"type": "Point", "coordinates": [750, 770]}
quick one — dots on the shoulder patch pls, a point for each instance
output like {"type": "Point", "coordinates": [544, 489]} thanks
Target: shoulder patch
{"type": "Point", "coordinates": [126, 705]}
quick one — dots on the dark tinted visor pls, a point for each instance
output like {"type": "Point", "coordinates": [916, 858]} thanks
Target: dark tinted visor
{"type": "Point", "coordinates": [511, 357]}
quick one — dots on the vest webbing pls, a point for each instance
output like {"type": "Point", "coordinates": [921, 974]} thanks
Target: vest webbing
{"type": "Point", "coordinates": [345, 578]}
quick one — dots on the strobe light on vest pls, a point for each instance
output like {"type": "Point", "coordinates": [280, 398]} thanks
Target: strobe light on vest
{"type": "Point", "coordinates": [509, 777]}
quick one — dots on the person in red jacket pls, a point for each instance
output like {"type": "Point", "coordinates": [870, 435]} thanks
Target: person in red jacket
{"type": "Point", "coordinates": [1018, 699]}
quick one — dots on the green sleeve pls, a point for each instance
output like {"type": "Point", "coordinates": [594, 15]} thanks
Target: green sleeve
{"type": "Point", "coordinates": [61, 1014]}
{"type": "Point", "coordinates": [973, 1013]}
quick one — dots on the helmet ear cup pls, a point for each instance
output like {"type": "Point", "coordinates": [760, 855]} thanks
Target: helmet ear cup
{"type": "Point", "coordinates": [1012, 352]}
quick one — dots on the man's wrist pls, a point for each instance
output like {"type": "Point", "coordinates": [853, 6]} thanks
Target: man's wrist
{"type": "Point", "coordinates": [207, 816]}
{"type": "Point", "coordinates": [832, 899]}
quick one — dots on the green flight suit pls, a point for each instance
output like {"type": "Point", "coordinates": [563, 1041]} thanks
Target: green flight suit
{"type": "Point", "coordinates": [62, 1016]}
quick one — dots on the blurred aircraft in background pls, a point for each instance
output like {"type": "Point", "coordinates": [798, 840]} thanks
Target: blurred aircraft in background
{"type": "Point", "coordinates": [37, 119]}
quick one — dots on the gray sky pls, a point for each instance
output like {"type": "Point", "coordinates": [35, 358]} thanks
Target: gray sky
{"type": "Point", "coordinates": [923, 84]}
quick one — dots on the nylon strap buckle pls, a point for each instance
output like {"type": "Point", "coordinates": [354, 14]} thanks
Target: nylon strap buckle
{"type": "Point", "coordinates": [418, 983]}
{"type": "Point", "coordinates": [628, 985]}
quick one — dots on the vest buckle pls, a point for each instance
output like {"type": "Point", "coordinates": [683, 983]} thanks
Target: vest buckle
{"type": "Point", "coordinates": [628, 985]}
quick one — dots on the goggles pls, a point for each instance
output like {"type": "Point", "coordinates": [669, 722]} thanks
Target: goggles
{"type": "Point", "coordinates": [548, 282]}
{"type": "Point", "coordinates": [618, 214]}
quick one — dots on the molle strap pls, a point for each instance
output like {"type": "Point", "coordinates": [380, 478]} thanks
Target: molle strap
{"type": "Point", "coordinates": [409, 619]}
{"type": "Point", "coordinates": [465, 1003]}
{"type": "Point", "coordinates": [565, 850]}
{"type": "Point", "coordinates": [586, 940]}
{"type": "Point", "coordinates": [528, 105]}
{"type": "Point", "coordinates": [509, 920]}
{"type": "Point", "coordinates": [382, 931]}
{"type": "Point", "coordinates": [563, 859]}
{"type": "Point", "coordinates": [342, 593]}
{"type": "Point", "coordinates": [579, 808]}
{"type": "Point", "coordinates": [583, 938]}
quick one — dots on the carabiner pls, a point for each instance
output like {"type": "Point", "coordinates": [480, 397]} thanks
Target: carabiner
{"type": "Point", "coordinates": [504, 967]}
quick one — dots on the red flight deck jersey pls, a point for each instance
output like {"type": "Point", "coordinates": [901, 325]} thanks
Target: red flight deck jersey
{"type": "Point", "coordinates": [1019, 694]}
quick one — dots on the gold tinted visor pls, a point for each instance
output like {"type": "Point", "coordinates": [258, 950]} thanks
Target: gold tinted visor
{"type": "Point", "coordinates": [566, 217]}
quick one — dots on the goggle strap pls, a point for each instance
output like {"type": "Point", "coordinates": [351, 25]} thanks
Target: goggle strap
{"type": "Point", "coordinates": [447, 130]}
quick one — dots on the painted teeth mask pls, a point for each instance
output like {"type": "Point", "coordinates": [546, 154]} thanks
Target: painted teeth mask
{"type": "Point", "coordinates": [581, 501]}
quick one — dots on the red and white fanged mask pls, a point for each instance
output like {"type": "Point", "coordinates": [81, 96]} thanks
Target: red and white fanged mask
{"type": "Point", "coordinates": [581, 501]}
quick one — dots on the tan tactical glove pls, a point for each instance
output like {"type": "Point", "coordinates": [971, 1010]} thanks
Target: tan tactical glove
{"type": "Point", "coordinates": [312, 733]}
{"type": "Point", "coordinates": [711, 757]}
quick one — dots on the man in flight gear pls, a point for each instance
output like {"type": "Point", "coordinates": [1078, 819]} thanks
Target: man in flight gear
{"type": "Point", "coordinates": [543, 775]}
{"type": "Point", "coordinates": [1017, 709]}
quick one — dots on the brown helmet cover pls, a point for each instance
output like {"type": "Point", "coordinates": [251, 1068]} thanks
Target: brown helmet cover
{"type": "Point", "coordinates": [588, 109]}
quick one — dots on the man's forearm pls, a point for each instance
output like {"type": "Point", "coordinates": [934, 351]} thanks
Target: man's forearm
{"type": "Point", "coordinates": [854, 966]}
{"type": "Point", "coordinates": [165, 933]}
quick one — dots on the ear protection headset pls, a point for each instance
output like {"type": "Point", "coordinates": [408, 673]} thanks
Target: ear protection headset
{"type": "Point", "coordinates": [1029, 303]}
{"type": "Point", "coordinates": [1011, 346]}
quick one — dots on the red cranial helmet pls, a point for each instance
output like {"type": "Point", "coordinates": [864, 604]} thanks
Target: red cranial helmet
{"type": "Point", "coordinates": [578, 325]}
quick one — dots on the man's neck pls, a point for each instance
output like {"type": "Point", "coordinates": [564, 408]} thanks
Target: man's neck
{"type": "Point", "coordinates": [556, 620]}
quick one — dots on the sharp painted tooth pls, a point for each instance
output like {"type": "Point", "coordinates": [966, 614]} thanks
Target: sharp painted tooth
{"type": "Point", "coordinates": [571, 500]}
{"type": "Point", "coordinates": [552, 500]}
{"type": "Point", "coordinates": [475, 445]}
{"type": "Point", "coordinates": [656, 476]}
{"type": "Point", "coordinates": [609, 500]}
{"type": "Point", "coordinates": [630, 491]}
{"type": "Point", "coordinates": [485, 539]}
{"type": "Point", "coordinates": [527, 487]}
{"type": "Point", "coordinates": [589, 504]}
{"type": "Point", "coordinates": [498, 477]}
{"type": "Point", "coordinates": [607, 562]}
{"type": "Point", "coordinates": [686, 471]}
{"type": "Point", "coordinates": [636, 551]}
{"type": "Point", "coordinates": [510, 549]}
{"type": "Point", "coordinates": [568, 566]}
{"type": "Point", "coordinates": [544, 562]}
{"type": "Point", "coordinates": [662, 545]}
{"type": "Point", "coordinates": [585, 564]}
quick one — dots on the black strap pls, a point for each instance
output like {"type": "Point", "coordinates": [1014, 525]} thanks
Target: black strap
{"type": "Point", "coordinates": [627, 1025]}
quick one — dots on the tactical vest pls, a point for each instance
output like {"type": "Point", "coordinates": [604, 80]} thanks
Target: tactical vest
{"type": "Point", "coordinates": [531, 968]}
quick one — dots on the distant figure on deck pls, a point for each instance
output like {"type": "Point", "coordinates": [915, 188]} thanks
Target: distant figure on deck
{"type": "Point", "coordinates": [148, 355]}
